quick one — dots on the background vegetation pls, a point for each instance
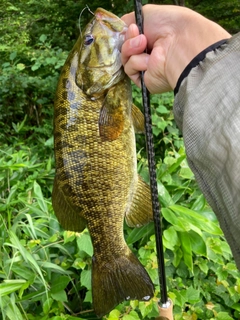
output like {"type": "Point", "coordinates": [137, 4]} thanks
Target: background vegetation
{"type": "Point", "coordinates": [45, 272]}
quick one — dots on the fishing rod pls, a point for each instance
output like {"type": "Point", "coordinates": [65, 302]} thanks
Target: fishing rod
{"type": "Point", "coordinates": [165, 304]}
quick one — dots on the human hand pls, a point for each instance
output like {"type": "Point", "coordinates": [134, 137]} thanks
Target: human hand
{"type": "Point", "coordinates": [173, 36]}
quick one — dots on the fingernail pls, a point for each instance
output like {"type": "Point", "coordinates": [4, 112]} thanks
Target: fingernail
{"type": "Point", "coordinates": [135, 42]}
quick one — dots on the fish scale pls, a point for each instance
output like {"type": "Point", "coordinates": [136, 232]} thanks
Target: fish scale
{"type": "Point", "coordinates": [96, 183]}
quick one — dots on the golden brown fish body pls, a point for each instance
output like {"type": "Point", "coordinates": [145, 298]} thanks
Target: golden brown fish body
{"type": "Point", "coordinates": [96, 183]}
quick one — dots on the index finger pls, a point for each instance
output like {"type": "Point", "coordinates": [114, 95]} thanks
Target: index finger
{"type": "Point", "coordinates": [129, 18]}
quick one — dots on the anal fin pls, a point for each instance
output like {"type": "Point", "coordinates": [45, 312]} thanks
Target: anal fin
{"type": "Point", "coordinates": [140, 211]}
{"type": "Point", "coordinates": [68, 216]}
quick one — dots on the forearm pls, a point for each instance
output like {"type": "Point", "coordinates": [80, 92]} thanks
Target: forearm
{"type": "Point", "coordinates": [206, 109]}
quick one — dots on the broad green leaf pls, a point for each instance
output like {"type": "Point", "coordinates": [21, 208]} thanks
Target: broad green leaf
{"type": "Point", "coordinates": [138, 233]}
{"type": "Point", "coordinates": [88, 297]}
{"type": "Point", "coordinates": [197, 220]}
{"type": "Point", "coordinates": [171, 235]}
{"type": "Point", "coordinates": [43, 38]}
{"type": "Point", "coordinates": [13, 55]}
{"type": "Point", "coordinates": [236, 306]}
{"type": "Point", "coordinates": [86, 279]}
{"type": "Point", "coordinates": [192, 295]}
{"type": "Point", "coordinates": [223, 316]}
{"type": "Point", "coordinates": [170, 238]}
{"type": "Point", "coordinates": [21, 66]}
{"type": "Point", "coordinates": [174, 166]}
{"type": "Point", "coordinates": [197, 243]}
{"type": "Point", "coordinates": [60, 283]}
{"type": "Point", "coordinates": [114, 314]}
{"type": "Point", "coordinates": [60, 296]}
{"type": "Point", "coordinates": [84, 243]}
{"type": "Point", "coordinates": [186, 249]}
{"type": "Point", "coordinates": [69, 236]}
{"type": "Point", "coordinates": [203, 265]}
{"type": "Point", "coordinates": [186, 173]}
{"type": "Point", "coordinates": [177, 257]}
{"type": "Point", "coordinates": [164, 195]}
{"type": "Point", "coordinates": [199, 203]}
{"type": "Point", "coordinates": [131, 316]}
{"type": "Point", "coordinates": [47, 305]}
{"type": "Point", "coordinates": [172, 218]}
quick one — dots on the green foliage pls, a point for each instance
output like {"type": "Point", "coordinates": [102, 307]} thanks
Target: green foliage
{"type": "Point", "coordinates": [45, 271]}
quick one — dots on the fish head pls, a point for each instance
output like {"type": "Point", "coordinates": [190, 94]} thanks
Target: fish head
{"type": "Point", "coordinates": [99, 65]}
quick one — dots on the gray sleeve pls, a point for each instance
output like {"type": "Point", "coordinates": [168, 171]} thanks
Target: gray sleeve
{"type": "Point", "coordinates": [207, 110]}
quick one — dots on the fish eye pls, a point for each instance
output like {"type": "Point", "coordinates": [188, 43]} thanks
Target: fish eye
{"type": "Point", "coordinates": [88, 39]}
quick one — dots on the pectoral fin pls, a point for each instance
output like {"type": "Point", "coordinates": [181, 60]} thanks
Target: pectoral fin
{"type": "Point", "coordinates": [140, 211]}
{"type": "Point", "coordinates": [110, 123]}
{"type": "Point", "coordinates": [137, 119]}
{"type": "Point", "coordinates": [68, 216]}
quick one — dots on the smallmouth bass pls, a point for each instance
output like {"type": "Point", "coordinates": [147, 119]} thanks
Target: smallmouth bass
{"type": "Point", "coordinates": [96, 183]}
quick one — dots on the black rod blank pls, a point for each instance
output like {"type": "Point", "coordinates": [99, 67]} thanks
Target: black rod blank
{"type": "Point", "coordinates": [152, 170]}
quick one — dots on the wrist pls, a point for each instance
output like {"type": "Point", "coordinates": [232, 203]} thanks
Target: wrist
{"type": "Point", "coordinates": [197, 34]}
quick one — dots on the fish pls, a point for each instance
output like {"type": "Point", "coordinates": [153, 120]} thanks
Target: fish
{"type": "Point", "coordinates": [96, 183]}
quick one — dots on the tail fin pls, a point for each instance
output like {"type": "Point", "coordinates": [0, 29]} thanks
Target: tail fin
{"type": "Point", "coordinates": [124, 278]}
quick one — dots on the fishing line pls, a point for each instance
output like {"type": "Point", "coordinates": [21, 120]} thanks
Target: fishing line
{"type": "Point", "coordinates": [152, 171]}
{"type": "Point", "coordinates": [80, 15]}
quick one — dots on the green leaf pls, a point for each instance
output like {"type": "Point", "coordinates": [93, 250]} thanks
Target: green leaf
{"type": "Point", "coordinates": [197, 243]}
{"type": "Point", "coordinates": [43, 38]}
{"type": "Point", "coordinates": [164, 196]}
{"type": "Point", "coordinates": [7, 288]}
{"type": "Point", "coordinates": [197, 219]}
{"type": "Point", "coordinates": [13, 55]}
{"type": "Point", "coordinates": [59, 284]}
{"type": "Point", "coordinates": [203, 265]}
{"type": "Point", "coordinates": [20, 66]}
{"type": "Point", "coordinates": [186, 249]}
{"type": "Point", "coordinates": [69, 236]}
{"type": "Point", "coordinates": [138, 233]}
{"type": "Point", "coordinates": [114, 314]}
{"type": "Point", "coordinates": [47, 305]}
{"type": "Point", "coordinates": [131, 316]}
{"type": "Point", "coordinates": [172, 218]}
{"type": "Point", "coordinates": [26, 256]}
{"type": "Point", "coordinates": [86, 279]}
{"type": "Point", "coordinates": [186, 173]}
{"type": "Point", "coordinates": [192, 295]}
{"type": "Point", "coordinates": [84, 243]}
{"type": "Point", "coordinates": [223, 316]}
{"type": "Point", "coordinates": [170, 238]}
{"type": "Point", "coordinates": [60, 296]}
{"type": "Point", "coordinates": [39, 196]}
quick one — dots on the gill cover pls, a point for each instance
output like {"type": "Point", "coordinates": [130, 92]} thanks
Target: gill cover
{"type": "Point", "coordinates": [99, 65]}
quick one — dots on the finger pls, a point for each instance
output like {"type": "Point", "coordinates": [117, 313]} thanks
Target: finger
{"type": "Point", "coordinates": [134, 65]}
{"type": "Point", "coordinates": [133, 46]}
{"type": "Point", "coordinates": [129, 18]}
{"type": "Point", "coordinates": [132, 31]}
